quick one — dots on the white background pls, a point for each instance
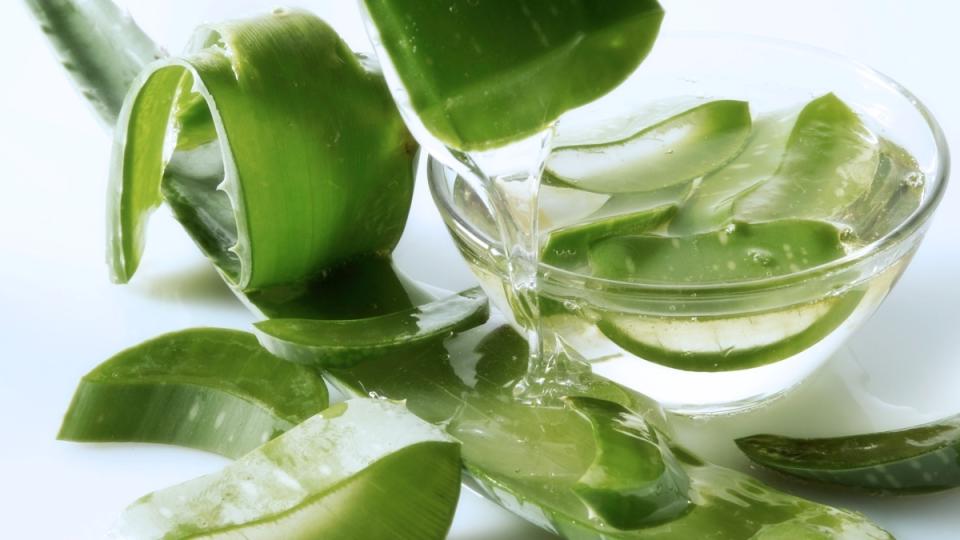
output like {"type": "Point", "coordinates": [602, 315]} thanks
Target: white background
{"type": "Point", "coordinates": [60, 316]}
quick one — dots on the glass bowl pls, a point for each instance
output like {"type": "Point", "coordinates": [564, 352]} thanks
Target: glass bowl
{"type": "Point", "coordinates": [712, 348]}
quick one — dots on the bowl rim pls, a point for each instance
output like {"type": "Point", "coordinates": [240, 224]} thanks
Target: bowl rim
{"type": "Point", "coordinates": [936, 185]}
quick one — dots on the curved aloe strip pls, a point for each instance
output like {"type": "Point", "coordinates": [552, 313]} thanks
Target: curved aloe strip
{"type": "Point", "coordinates": [298, 119]}
{"type": "Point", "coordinates": [480, 74]}
{"type": "Point", "coordinates": [343, 343]}
{"type": "Point", "coordinates": [87, 37]}
{"type": "Point", "coordinates": [210, 389]}
{"type": "Point", "coordinates": [676, 150]}
{"type": "Point", "coordinates": [710, 206]}
{"type": "Point", "coordinates": [530, 458]}
{"type": "Point", "coordinates": [634, 480]}
{"type": "Point", "coordinates": [829, 163]}
{"type": "Point", "coordinates": [916, 460]}
{"type": "Point", "coordinates": [361, 469]}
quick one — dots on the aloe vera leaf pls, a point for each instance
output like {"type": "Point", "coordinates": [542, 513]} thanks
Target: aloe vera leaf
{"type": "Point", "coordinates": [480, 74]}
{"type": "Point", "coordinates": [710, 206]}
{"type": "Point", "coordinates": [894, 195]}
{"type": "Point", "coordinates": [361, 469]}
{"type": "Point", "coordinates": [211, 389]}
{"type": "Point", "coordinates": [673, 151]}
{"type": "Point", "coordinates": [625, 214]}
{"type": "Point", "coordinates": [634, 479]}
{"type": "Point", "coordinates": [343, 343]}
{"type": "Point", "coordinates": [277, 126]}
{"type": "Point", "coordinates": [830, 161]}
{"type": "Point", "coordinates": [743, 252]}
{"type": "Point", "coordinates": [100, 46]}
{"type": "Point", "coordinates": [528, 458]}
{"type": "Point", "coordinates": [920, 459]}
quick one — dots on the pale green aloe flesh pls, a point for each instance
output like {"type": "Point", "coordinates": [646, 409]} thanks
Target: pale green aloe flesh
{"type": "Point", "coordinates": [673, 151]}
{"type": "Point", "coordinates": [481, 74]}
{"type": "Point", "coordinates": [310, 141]}
{"type": "Point", "coordinates": [920, 459]}
{"type": "Point", "coordinates": [361, 469]}
{"type": "Point", "coordinates": [830, 161]}
{"type": "Point", "coordinates": [211, 389]}
{"type": "Point", "coordinates": [531, 459]}
{"type": "Point", "coordinates": [100, 46]}
{"type": "Point", "coordinates": [344, 343]}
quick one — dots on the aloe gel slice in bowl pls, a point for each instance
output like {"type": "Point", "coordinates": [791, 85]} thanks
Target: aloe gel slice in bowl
{"type": "Point", "coordinates": [360, 469]}
{"type": "Point", "coordinates": [206, 388]}
{"type": "Point", "coordinates": [481, 74]}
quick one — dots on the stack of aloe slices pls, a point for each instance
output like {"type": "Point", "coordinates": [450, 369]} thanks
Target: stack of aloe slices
{"type": "Point", "coordinates": [605, 466]}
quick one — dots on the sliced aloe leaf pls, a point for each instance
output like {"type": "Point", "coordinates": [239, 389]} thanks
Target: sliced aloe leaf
{"type": "Point", "coordinates": [728, 343]}
{"type": "Point", "coordinates": [916, 460]}
{"type": "Point", "coordinates": [292, 134]}
{"type": "Point", "coordinates": [895, 194]}
{"type": "Point", "coordinates": [634, 479]}
{"type": "Point", "coordinates": [87, 37]}
{"type": "Point", "coordinates": [626, 214]}
{"type": "Point", "coordinates": [742, 252]}
{"type": "Point", "coordinates": [830, 161]}
{"type": "Point", "coordinates": [710, 206]}
{"type": "Point", "coordinates": [529, 458]}
{"type": "Point", "coordinates": [361, 469]}
{"type": "Point", "coordinates": [343, 343]}
{"type": "Point", "coordinates": [211, 389]}
{"type": "Point", "coordinates": [480, 74]}
{"type": "Point", "coordinates": [673, 151]}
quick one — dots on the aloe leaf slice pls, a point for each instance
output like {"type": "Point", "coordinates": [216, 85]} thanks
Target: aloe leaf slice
{"type": "Point", "coordinates": [920, 459]}
{"type": "Point", "coordinates": [343, 343]}
{"type": "Point", "coordinates": [529, 458]}
{"type": "Point", "coordinates": [710, 206]}
{"type": "Point", "coordinates": [830, 161]}
{"type": "Point", "coordinates": [288, 152]}
{"type": "Point", "coordinates": [743, 252]}
{"type": "Point", "coordinates": [211, 389]}
{"type": "Point", "coordinates": [480, 74]}
{"type": "Point", "coordinates": [361, 469]}
{"type": "Point", "coordinates": [86, 36]}
{"type": "Point", "coordinates": [673, 151]}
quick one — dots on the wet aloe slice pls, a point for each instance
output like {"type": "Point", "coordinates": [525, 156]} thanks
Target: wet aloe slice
{"type": "Point", "coordinates": [87, 36]}
{"type": "Point", "coordinates": [743, 252]}
{"type": "Point", "coordinates": [480, 74]}
{"type": "Point", "coordinates": [673, 151]}
{"type": "Point", "coordinates": [211, 389]}
{"type": "Point", "coordinates": [288, 154]}
{"type": "Point", "coordinates": [361, 469]}
{"type": "Point", "coordinates": [634, 479]}
{"type": "Point", "coordinates": [343, 343]}
{"type": "Point", "coordinates": [710, 206]}
{"type": "Point", "coordinates": [916, 460]}
{"type": "Point", "coordinates": [829, 163]}
{"type": "Point", "coordinates": [529, 458]}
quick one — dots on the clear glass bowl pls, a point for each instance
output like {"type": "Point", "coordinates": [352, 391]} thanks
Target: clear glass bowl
{"type": "Point", "coordinates": [788, 325]}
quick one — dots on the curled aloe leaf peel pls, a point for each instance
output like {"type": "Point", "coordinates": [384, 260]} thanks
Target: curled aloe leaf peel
{"type": "Point", "coordinates": [920, 459]}
{"type": "Point", "coordinates": [361, 469]}
{"type": "Point", "coordinates": [310, 143]}
{"type": "Point", "coordinates": [207, 388]}
{"type": "Point", "coordinates": [481, 74]}
{"type": "Point", "coordinates": [342, 343]}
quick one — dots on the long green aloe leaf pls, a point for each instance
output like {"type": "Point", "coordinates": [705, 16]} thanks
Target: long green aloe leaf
{"type": "Point", "coordinates": [343, 343]}
{"type": "Point", "coordinates": [310, 141]}
{"type": "Point", "coordinates": [100, 46]}
{"type": "Point", "coordinates": [482, 73]}
{"type": "Point", "coordinates": [361, 469]}
{"type": "Point", "coordinates": [211, 389]}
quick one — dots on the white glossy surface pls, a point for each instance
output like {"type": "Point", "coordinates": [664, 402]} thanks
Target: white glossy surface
{"type": "Point", "coordinates": [61, 316]}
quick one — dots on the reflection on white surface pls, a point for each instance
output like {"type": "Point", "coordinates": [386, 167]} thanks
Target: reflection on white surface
{"type": "Point", "coordinates": [61, 316]}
